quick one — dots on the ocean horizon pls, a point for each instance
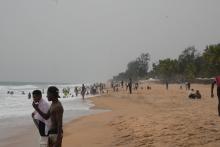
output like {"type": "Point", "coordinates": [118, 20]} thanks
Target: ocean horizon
{"type": "Point", "coordinates": [31, 83]}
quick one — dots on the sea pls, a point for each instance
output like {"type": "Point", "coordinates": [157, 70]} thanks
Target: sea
{"type": "Point", "coordinates": [16, 107]}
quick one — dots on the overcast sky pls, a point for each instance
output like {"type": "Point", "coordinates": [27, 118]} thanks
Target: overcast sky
{"type": "Point", "coordinates": [92, 40]}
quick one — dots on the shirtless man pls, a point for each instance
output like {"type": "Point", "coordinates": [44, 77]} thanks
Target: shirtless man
{"type": "Point", "coordinates": [217, 82]}
{"type": "Point", "coordinates": [130, 86]}
{"type": "Point", "coordinates": [83, 91]}
{"type": "Point", "coordinates": [55, 113]}
{"type": "Point", "coordinates": [167, 85]}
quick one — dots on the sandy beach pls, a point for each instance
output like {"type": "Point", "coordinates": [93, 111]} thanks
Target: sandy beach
{"type": "Point", "coordinates": [27, 136]}
{"type": "Point", "coordinates": [151, 118]}
{"type": "Point", "coordinates": [70, 53]}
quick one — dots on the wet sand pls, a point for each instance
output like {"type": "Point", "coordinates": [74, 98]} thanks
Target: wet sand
{"type": "Point", "coordinates": [152, 118]}
{"type": "Point", "coordinates": [23, 137]}
{"type": "Point", "coordinates": [21, 131]}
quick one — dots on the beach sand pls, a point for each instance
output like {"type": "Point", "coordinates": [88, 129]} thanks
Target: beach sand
{"type": "Point", "coordinates": [149, 118]}
{"type": "Point", "coordinates": [21, 137]}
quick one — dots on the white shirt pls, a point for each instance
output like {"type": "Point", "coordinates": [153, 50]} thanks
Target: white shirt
{"type": "Point", "coordinates": [44, 107]}
{"type": "Point", "coordinates": [191, 92]}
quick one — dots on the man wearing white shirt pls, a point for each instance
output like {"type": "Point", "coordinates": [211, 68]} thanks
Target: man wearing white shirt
{"type": "Point", "coordinates": [42, 124]}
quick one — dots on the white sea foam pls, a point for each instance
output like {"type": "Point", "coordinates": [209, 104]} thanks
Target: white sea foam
{"type": "Point", "coordinates": [16, 109]}
{"type": "Point", "coordinates": [18, 104]}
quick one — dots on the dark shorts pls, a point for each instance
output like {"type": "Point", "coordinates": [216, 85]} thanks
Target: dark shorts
{"type": "Point", "coordinates": [41, 128]}
{"type": "Point", "coordinates": [53, 131]}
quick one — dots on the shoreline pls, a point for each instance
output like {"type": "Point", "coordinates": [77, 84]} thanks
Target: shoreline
{"type": "Point", "coordinates": [154, 118]}
{"type": "Point", "coordinates": [21, 131]}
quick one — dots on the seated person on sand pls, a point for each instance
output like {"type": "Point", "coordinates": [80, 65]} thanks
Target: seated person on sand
{"type": "Point", "coordinates": [195, 95]}
{"type": "Point", "coordinates": [192, 94]}
{"type": "Point", "coordinates": [148, 88]}
{"type": "Point", "coordinates": [198, 94]}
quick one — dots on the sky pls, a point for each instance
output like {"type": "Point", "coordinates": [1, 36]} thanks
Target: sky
{"type": "Point", "coordinates": [79, 41]}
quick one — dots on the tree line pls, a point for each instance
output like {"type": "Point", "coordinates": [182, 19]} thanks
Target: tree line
{"type": "Point", "coordinates": [189, 65]}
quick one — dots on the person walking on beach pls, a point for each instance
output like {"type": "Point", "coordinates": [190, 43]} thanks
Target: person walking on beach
{"type": "Point", "coordinates": [55, 113]}
{"type": "Point", "coordinates": [42, 124]}
{"type": "Point", "coordinates": [217, 82]}
{"type": "Point", "coordinates": [83, 91]}
{"type": "Point", "coordinates": [130, 86]}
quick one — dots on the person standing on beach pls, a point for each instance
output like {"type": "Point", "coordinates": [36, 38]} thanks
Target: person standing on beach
{"type": "Point", "coordinates": [167, 85]}
{"type": "Point", "coordinates": [217, 82]}
{"type": "Point", "coordinates": [29, 95]}
{"type": "Point", "coordinates": [130, 86]}
{"type": "Point", "coordinates": [76, 91]}
{"type": "Point", "coordinates": [122, 84]}
{"type": "Point", "coordinates": [83, 91]}
{"type": "Point", "coordinates": [55, 113]}
{"type": "Point", "coordinates": [188, 85]}
{"type": "Point", "coordinates": [42, 124]}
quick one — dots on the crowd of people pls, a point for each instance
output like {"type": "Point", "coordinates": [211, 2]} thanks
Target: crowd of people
{"type": "Point", "coordinates": [192, 94]}
{"type": "Point", "coordinates": [129, 86]}
{"type": "Point", "coordinates": [49, 118]}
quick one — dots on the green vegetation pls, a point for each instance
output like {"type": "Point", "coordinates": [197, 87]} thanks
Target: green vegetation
{"type": "Point", "coordinates": [137, 69]}
{"type": "Point", "coordinates": [189, 65]}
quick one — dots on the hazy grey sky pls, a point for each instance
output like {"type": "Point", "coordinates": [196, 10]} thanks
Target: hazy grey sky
{"type": "Point", "coordinates": [92, 40]}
